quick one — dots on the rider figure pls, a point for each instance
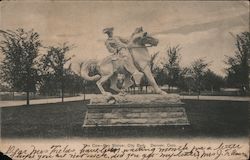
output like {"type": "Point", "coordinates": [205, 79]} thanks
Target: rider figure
{"type": "Point", "coordinates": [118, 47]}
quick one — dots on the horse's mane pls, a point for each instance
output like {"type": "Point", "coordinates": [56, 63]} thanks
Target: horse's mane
{"type": "Point", "coordinates": [135, 36]}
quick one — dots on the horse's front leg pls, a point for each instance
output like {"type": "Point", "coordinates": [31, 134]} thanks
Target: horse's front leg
{"type": "Point", "coordinates": [152, 82]}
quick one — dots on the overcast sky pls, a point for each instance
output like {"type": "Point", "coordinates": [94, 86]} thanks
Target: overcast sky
{"type": "Point", "coordinates": [201, 28]}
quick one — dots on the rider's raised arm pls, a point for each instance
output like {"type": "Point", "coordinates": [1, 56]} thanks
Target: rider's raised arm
{"type": "Point", "coordinates": [123, 40]}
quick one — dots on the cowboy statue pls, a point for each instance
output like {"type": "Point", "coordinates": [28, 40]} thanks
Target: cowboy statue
{"type": "Point", "coordinates": [130, 58]}
{"type": "Point", "coordinates": [118, 47]}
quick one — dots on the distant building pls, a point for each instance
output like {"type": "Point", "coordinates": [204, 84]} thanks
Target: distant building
{"type": "Point", "coordinates": [230, 91]}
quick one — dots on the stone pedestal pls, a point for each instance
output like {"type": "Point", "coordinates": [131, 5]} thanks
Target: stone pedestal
{"type": "Point", "coordinates": [136, 110]}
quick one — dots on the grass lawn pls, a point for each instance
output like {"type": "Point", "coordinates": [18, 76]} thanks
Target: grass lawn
{"type": "Point", "coordinates": [64, 120]}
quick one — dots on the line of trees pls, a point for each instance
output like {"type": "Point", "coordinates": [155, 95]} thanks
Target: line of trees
{"type": "Point", "coordinates": [24, 69]}
{"type": "Point", "coordinates": [19, 68]}
{"type": "Point", "coordinates": [238, 67]}
{"type": "Point", "coordinates": [197, 77]}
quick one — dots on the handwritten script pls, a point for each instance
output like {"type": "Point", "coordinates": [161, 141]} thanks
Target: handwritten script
{"type": "Point", "coordinates": [128, 151]}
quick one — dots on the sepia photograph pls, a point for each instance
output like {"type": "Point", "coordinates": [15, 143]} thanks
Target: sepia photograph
{"type": "Point", "coordinates": [124, 80]}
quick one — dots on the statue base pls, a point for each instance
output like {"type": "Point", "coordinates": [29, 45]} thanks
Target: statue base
{"type": "Point", "coordinates": [136, 110]}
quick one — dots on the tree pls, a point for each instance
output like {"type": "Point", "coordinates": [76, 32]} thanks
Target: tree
{"type": "Point", "coordinates": [160, 75]}
{"type": "Point", "coordinates": [212, 81]}
{"type": "Point", "coordinates": [186, 81]}
{"type": "Point", "coordinates": [152, 61]}
{"type": "Point", "coordinates": [198, 70]}
{"type": "Point", "coordinates": [54, 64]}
{"type": "Point", "coordinates": [73, 82]}
{"type": "Point", "coordinates": [172, 66]}
{"type": "Point", "coordinates": [84, 82]}
{"type": "Point", "coordinates": [238, 70]}
{"type": "Point", "coordinates": [19, 67]}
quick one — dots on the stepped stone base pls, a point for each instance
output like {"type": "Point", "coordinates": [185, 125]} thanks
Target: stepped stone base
{"type": "Point", "coordinates": [136, 110]}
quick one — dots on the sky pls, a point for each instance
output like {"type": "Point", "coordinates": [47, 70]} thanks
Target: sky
{"type": "Point", "coordinates": [201, 28]}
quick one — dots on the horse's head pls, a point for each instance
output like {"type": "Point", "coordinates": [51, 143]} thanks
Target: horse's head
{"type": "Point", "coordinates": [141, 38]}
{"type": "Point", "coordinates": [147, 39]}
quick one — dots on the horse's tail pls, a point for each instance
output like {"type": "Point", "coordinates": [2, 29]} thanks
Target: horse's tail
{"type": "Point", "coordinates": [88, 66]}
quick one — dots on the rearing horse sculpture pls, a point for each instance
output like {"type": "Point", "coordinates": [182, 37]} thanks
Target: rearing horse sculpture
{"type": "Point", "coordinates": [137, 48]}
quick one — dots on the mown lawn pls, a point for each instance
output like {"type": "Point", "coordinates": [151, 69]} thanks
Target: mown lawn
{"type": "Point", "coordinates": [64, 120]}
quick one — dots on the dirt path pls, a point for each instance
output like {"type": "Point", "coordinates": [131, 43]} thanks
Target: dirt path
{"type": "Point", "coordinates": [88, 96]}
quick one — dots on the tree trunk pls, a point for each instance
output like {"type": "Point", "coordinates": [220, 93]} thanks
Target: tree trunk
{"type": "Point", "coordinates": [13, 95]}
{"type": "Point", "coordinates": [62, 89]}
{"type": "Point", "coordinates": [212, 90]}
{"type": "Point", "coordinates": [28, 98]}
{"type": "Point", "coordinates": [62, 94]}
{"type": "Point", "coordinates": [28, 88]}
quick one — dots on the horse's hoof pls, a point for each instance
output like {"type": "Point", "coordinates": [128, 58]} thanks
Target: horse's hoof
{"type": "Point", "coordinates": [111, 100]}
{"type": "Point", "coordinates": [108, 94]}
{"type": "Point", "coordinates": [122, 94]}
{"type": "Point", "coordinates": [162, 92]}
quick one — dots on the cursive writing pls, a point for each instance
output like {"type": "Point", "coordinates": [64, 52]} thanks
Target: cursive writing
{"type": "Point", "coordinates": [128, 151]}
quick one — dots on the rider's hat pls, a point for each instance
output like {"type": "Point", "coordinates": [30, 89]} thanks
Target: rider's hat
{"type": "Point", "coordinates": [108, 30]}
{"type": "Point", "coordinates": [138, 30]}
